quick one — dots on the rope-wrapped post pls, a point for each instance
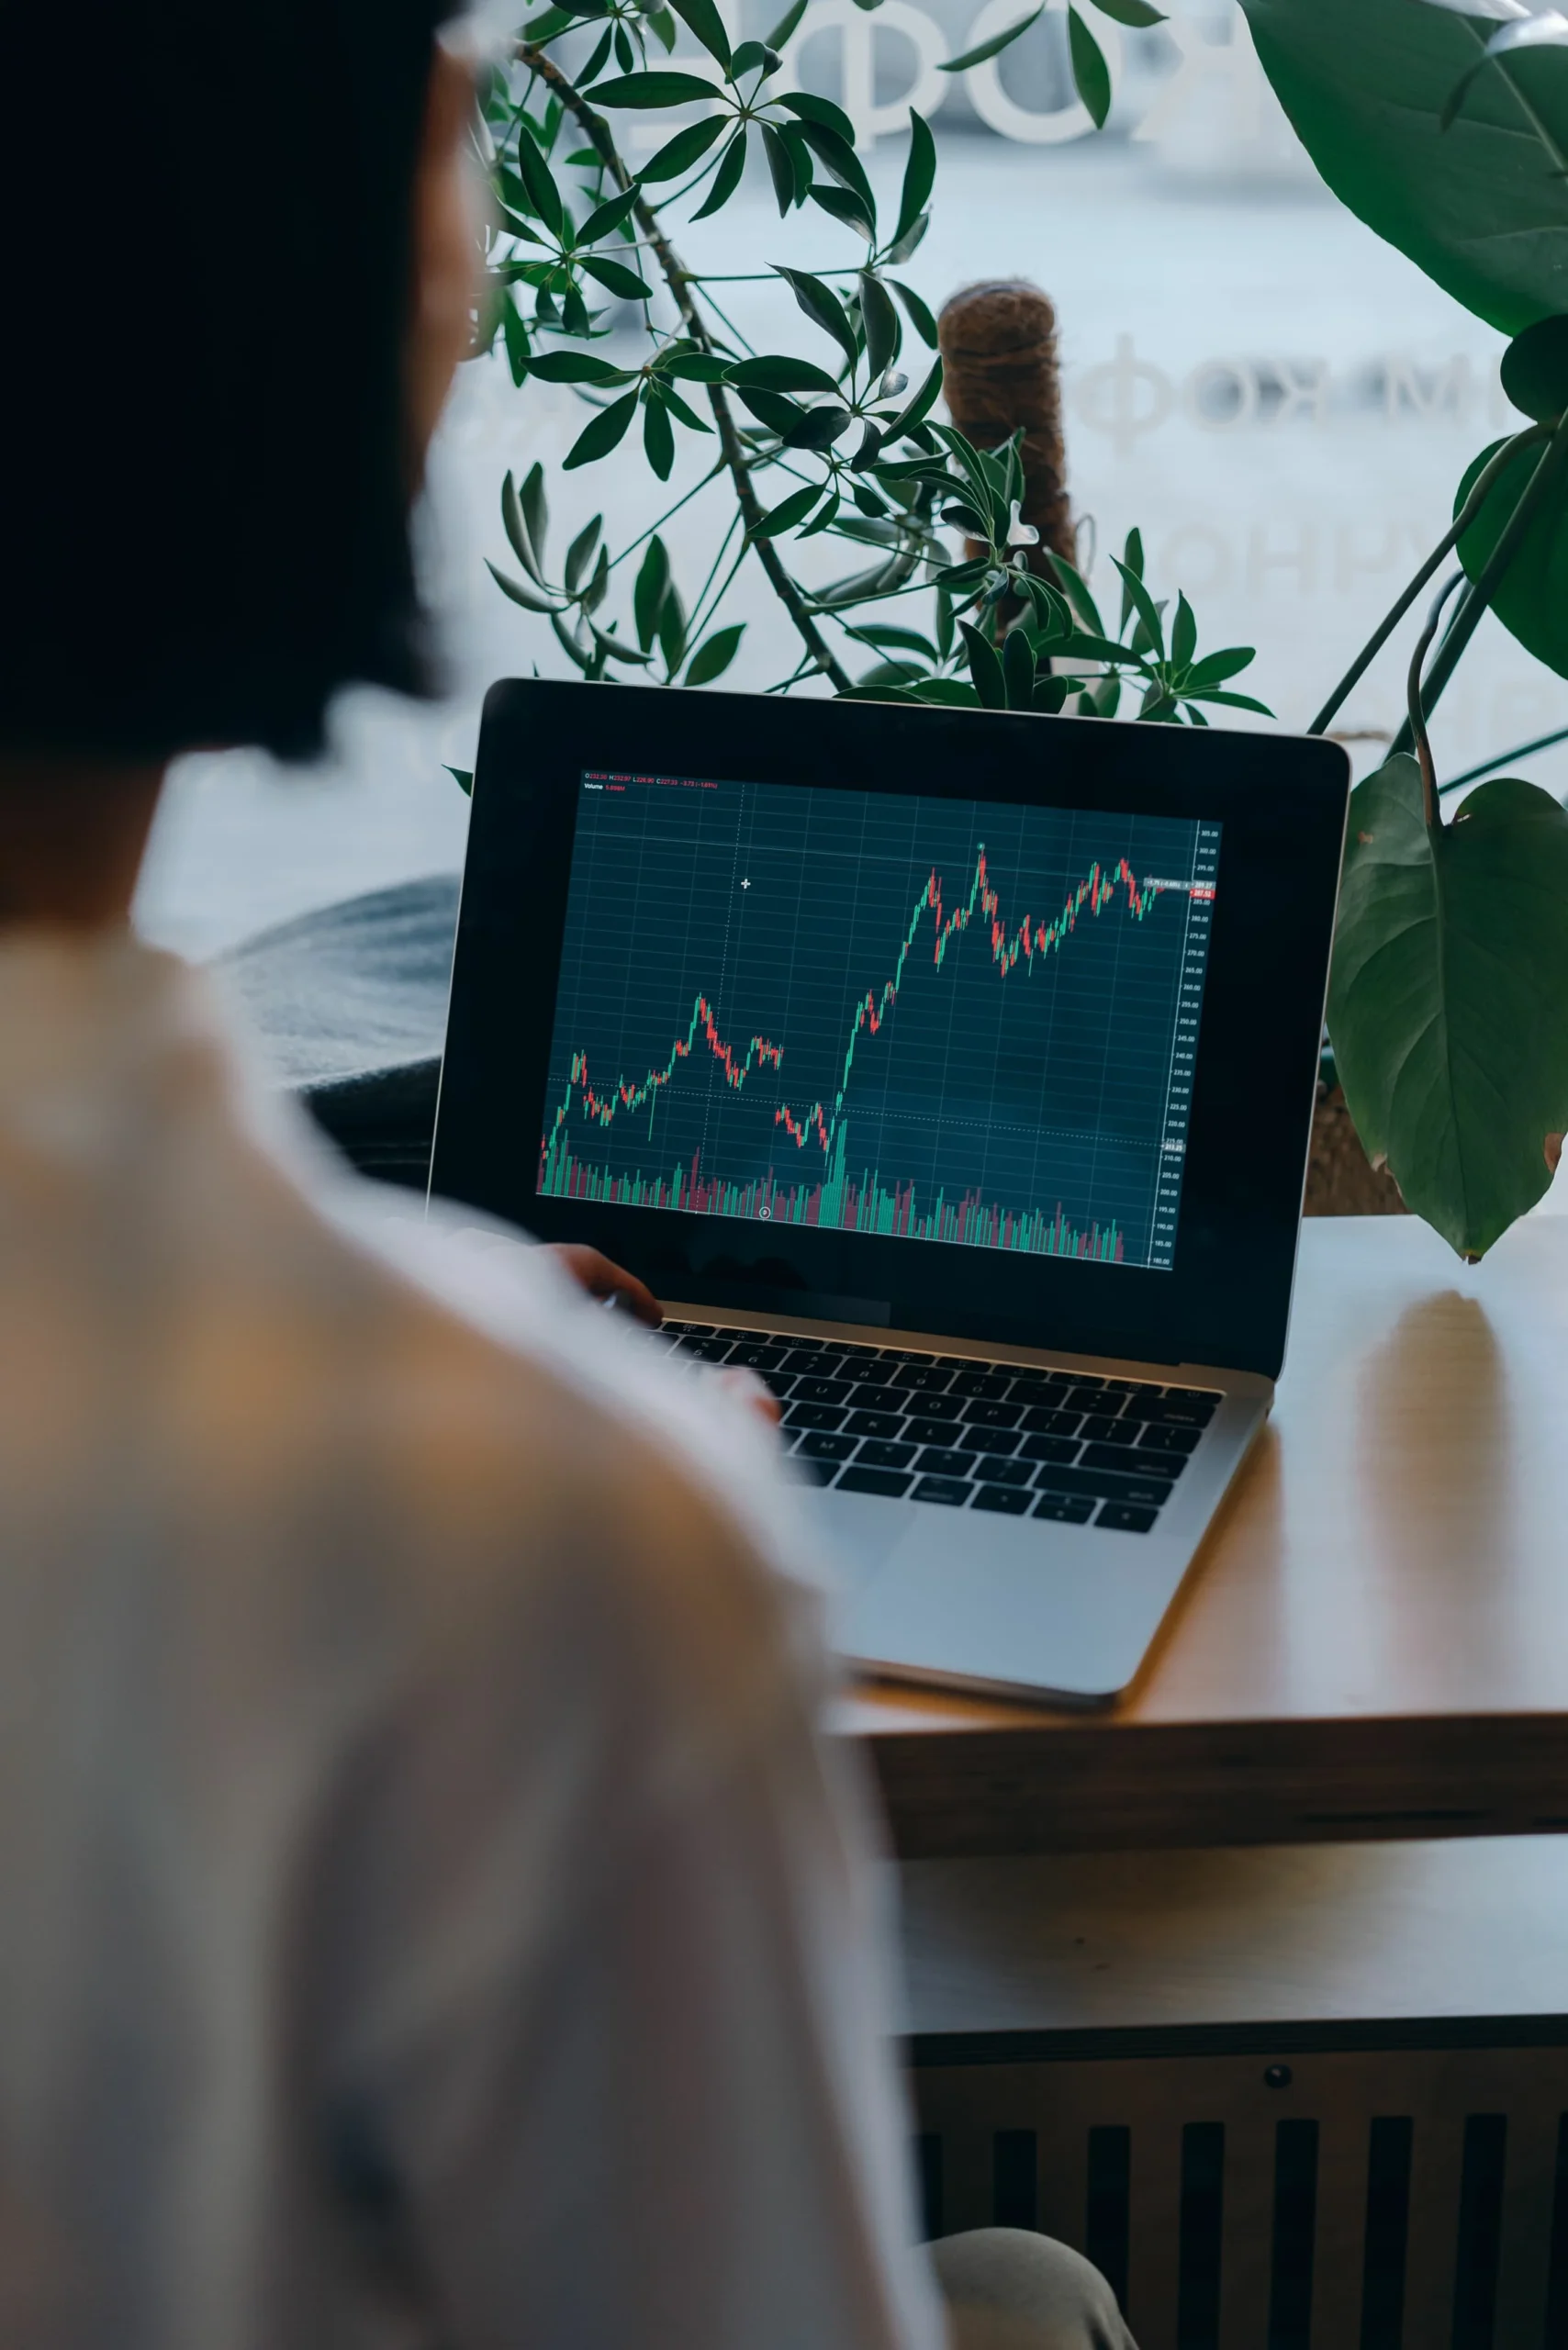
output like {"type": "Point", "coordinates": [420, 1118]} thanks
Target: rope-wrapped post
{"type": "Point", "coordinates": [999, 370]}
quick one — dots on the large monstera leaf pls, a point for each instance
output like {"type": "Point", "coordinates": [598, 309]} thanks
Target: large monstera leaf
{"type": "Point", "coordinates": [1481, 207]}
{"type": "Point", "coordinates": [1449, 1001]}
{"type": "Point", "coordinates": [1531, 598]}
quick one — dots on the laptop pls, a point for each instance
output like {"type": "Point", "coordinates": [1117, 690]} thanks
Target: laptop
{"type": "Point", "coordinates": [953, 1070]}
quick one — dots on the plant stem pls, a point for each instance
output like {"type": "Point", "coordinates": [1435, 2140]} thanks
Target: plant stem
{"type": "Point", "coordinates": [1519, 751]}
{"type": "Point", "coordinates": [1467, 617]}
{"type": "Point", "coordinates": [1417, 724]}
{"type": "Point", "coordinates": [1445, 546]}
{"type": "Point", "coordinates": [675, 277]}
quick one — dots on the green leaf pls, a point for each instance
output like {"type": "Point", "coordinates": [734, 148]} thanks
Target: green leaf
{"type": "Point", "coordinates": [607, 431]}
{"type": "Point", "coordinates": [653, 91]}
{"type": "Point", "coordinates": [788, 23]}
{"type": "Point", "coordinates": [463, 778]}
{"type": "Point", "coordinates": [1535, 369]}
{"type": "Point", "coordinates": [702, 18]}
{"type": "Point", "coordinates": [801, 162]}
{"type": "Point", "coordinates": [1183, 633]}
{"type": "Point", "coordinates": [594, 593]}
{"type": "Point", "coordinates": [649, 595]}
{"type": "Point", "coordinates": [885, 691]}
{"type": "Point", "coordinates": [1136, 13]}
{"type": "Point", "coordinates": [1451, 973]}
{"type": "Point", "coordinates": [919, 172]}
{"type": "Point", "coordinates": [1143, 603]}
{"type": "Point", "coordinates": [993, 47]}
{"type": "Point", "coordinates": [607, 218]}
{"type": "Point", "coordinates": [546, 25]}
{"type": "Point", "coordinates": [807, 108]}
{"type": "Point", "coordinates": [823, 307]}
{"type": "Point", "coordinates": [842, 161]}
{"type": "Point", "coordinates": [535, 510]}
{"type": "Point", "coordinates": [687, 147]}
{"type": "Point", "coordinates": [948, 693]}
{"type": "Point", "coordinates": [579, 554]}
{"type": "Point", "coordinates": [845, 206]}
{"type": "Point", "coordinates": [781, 374]}
{"type": "Point", "coordinates": [726, 179]}
{"type": "Point", "coordinates": [514, 336]}
{"type": "Point", "coordinates": [610, 644]}
{"type": "Point", "coordinates": [789, 512]}
{"type": "Point", "coordinates": [921, 405]}
{"type": "Point", "coordinates": [891, 672]}
{"type": "Point", "coordinates": [770, 408]}
{"type": "Point", "coordinates": [920, 317]}
{"type": "Point", "coordinates": [901, 247]}
{"type": "Point", "coordinates": [658, 434]}
{"type": "Point", "coordinates": [1529, 597]}
{"type": "Point", "coordinates": [1090, 71]}
{"type": "Point", "coordinates": [678, 408]}
{"type": "Point", "coordinates": [883, 333]}
{"type": "Point", "coordinates": [544, 195]}
{"type": "Point", "coordinates": [519, 594]}
{"type": "Point", "coordinates": [691, 365]}
{"type": "Point", "coordinates": [599, 58]}
{"type": "Point", "coordinates": [782, 168]}
{"type": "Point", "coordinates": [985, 668]}
{"type": "Point", "coordinates": [672, 628]}
{"type": "Point", "coordinates": [1231, 701]}
{"type": "Point", "coordinates": [662, 26]}
{"type": "Point", "coordinates": [577, 367]}
{"type": "Point", "coordinates": [1132, 556]}
{"type": "Point", "coordinates": [898, 640]}
{"type": "Point", "coordinates": [825, 517]}
{"type": "Point", "coordinates": [713, 657]}
{"type": "Point", "coordinates": [1482, 207]}
{"type": "Point", "coordinates": [1018, 669]}
{"type": "Point", "coordinates": [616, 278]}
{"type": "Point", "coordinates": [515, 529]}
{"type": "Point", "coordinates": [818, 427]}
{"type": "Point", "coordinates": [1215, 667]}
{"type": "Point", "coordinates": [626, 58]}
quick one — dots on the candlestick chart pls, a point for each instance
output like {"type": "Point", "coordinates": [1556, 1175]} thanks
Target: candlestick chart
{"type": "Point", "coordinates": [921, 1018]}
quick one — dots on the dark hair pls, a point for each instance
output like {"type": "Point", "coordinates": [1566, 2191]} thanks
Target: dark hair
{"type": "Point", "coordinates": [205, 482]}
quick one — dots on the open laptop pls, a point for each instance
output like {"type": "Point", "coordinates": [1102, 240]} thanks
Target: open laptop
{"type": "Point", "coordinates": [952, 1070]}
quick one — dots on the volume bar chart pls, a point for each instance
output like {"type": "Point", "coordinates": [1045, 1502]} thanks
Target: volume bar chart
{"type": "Point", "coordinates": [919, 1020]}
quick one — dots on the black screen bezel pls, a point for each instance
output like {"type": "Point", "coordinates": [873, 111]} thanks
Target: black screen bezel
{"type": "Point", "coordinates": [1282, 803]}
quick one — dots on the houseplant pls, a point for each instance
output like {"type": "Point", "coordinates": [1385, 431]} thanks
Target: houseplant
{"type": "Point", "coordinates": [1445, 133]}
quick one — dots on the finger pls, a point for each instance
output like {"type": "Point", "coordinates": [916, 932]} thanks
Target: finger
{"type": "Point", "coordinates": [609, 1282]}
{"type": "Point", "coordinates": [747, 1388]}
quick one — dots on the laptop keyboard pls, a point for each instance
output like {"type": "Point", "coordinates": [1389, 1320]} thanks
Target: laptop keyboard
{"type": "Point", "coordinates": [965, 1433]}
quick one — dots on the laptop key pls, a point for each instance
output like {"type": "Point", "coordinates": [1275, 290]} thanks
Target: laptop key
{"type": "Point", "coordinates": [752, 1357]}
{"type": "Point", "coordinates": [1104, 1485]}
{"type": "Point", "coordinates": [890, 1483]}
{"type": "Point", "coordinates": [982, 1383]}
{"type": "Point", "coordinates": [939, 1461]}
{"type": "Point", "coordinates": [1175, 1412]}
{"type": "Point", "coordinates": [924, 1377]}
{"type": "Point", "coordinates": [823, 1390]}
{"type": "Point", "coordinates": [1083, 1399]}
{"type": "Point", "coordinates": [1160, 1439]}
{"type": "Point", "coordinates": [813, 1416]}
{"type": "Point", "coordinates": [1050, 1423]}
{"type": "Point", "coordinates": [922, 1430]}
{"type": "Point", "coordinates": [989, 1439]}
{"type": "Point", "coordinates": [713, 1350]}
{"type": "Point", "coordinates": [1207, 1396]}
{"type": "Point", "coordinates": [813, 1363]}
{"type": "Point", "coordinates": [1049, 1448]}
{"type": "Point", "coordinates": [778, 1382]}
{"type": "Point", "coordinates": [876, 1453]}
{"type": "Point", "coordinates": [981, 1414]}
{"type": "Point", "coordinates": [996, 1470]}
{"type": "Point", "coordinates": [816, 1445]}
{"type": "Point", "coordinates": [934, 1407]}
{"type": "Point", "coordinates": [872, 1373]}
{"type": "Point", "coordinates": [814, 1472]}
{"type": "Point", "coordinates": [1124, 1519]}
{"type": "Point", "coordinates": [1067, 1509]}
{"type": "Point", "coordinates": [874, 1424]}
{"type": "Point", "coordinates": [952, 1490]}
{"type": "Point", "coordinates": [1006, 1500]}
{"type": "Point", "coordinates": [1153, 1464]}
{"type": "Point", "coordinates": [1101, 1431]}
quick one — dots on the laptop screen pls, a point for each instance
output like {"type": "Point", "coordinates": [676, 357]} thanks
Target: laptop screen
{"type": "Point", "coordinates": [960, 1021]}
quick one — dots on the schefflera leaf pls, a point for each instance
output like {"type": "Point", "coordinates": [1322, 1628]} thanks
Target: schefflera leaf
{"type": "Point", "coordinates": [1448, 1006]}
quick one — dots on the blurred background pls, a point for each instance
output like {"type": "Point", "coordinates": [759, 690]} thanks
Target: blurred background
{"type": "Point", "coordinates": [1281, 403]}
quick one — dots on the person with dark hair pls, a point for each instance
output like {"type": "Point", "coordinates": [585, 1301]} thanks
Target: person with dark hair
{"type": "Point", "coordinates": [432, 1914]}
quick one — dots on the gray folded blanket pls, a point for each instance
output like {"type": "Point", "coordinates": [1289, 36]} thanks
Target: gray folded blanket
{"type": "Point", "coordinates": [350, 1007]}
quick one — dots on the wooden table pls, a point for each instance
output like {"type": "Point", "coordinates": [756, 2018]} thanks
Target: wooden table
{"type": "Point", "coordinates": [1373, 1643]}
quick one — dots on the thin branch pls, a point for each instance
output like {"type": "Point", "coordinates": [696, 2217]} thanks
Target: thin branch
{"type": "Point", "coordinates": [676, 278]}
{"type": "Point", "coordinates": [668, 515]}
{"type": "Point", "coordinates": [1429, 808]}
{"type": "Point", "coordinates": [1479, 595]}
{"type": "Point", "coordinates": [1445, 546]}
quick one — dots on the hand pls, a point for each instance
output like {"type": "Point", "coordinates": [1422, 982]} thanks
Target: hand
{"type": "Point", "coordinates": [620, 1291]}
